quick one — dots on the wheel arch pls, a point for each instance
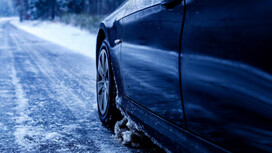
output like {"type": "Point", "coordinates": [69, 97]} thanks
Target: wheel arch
{"type": "Point", "coordinates": [101, 36]}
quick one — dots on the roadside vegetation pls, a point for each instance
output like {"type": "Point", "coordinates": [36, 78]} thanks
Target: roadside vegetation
{"type": "Point", "coordinates": [6, 8]}
{"type": "Point", "coordinates": [83, 21]}
{"type": "Point", "coordinates": [85, 14]}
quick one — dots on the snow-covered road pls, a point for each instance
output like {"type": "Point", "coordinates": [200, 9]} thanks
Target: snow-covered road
{"type": "Point", "coordinates": [47, 98]}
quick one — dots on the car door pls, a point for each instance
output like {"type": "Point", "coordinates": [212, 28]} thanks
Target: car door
{"type": "Point", "coordinates": [150, 57]}
{"type": "Point", "coordinates": [226, 72]}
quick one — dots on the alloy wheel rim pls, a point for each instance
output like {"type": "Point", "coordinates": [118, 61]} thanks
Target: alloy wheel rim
{"type": "Point", "coordinates": [103, 81]}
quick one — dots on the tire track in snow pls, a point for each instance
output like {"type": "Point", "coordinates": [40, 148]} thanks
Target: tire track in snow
{"type": "Point", "coordinates": [30, 136]}
{"type": "Point", "coordinates": [24, 132]}
{"type": "Point", "coordinates": [7, 96]}
{"type": "Point", "coordinates": [85, 113]}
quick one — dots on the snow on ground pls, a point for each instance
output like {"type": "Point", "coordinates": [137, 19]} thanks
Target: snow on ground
{"type": "Point", "coordinates": [8, 18]}
{"type": "Point", "coordinates": [73, 38]}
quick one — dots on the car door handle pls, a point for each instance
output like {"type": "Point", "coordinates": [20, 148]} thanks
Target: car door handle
{"type": "Point", "coordinates": [117, 41]}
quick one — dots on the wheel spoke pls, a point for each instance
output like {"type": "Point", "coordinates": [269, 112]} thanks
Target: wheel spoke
{"type": "Point", "coordinates": [105, 102]}
{"type": "Point", "coordinates": [100, 69]}
{"type": "Point", "coordinates": [107, 85]}
{"type": "Point", "coordinates": [100, 101]}
{"type": "Point", "coordinates": [103, 59]}
{"type": "Point", "coordinates": [106, 66]}
{"type": "Point", "coordinates": [100, 86]}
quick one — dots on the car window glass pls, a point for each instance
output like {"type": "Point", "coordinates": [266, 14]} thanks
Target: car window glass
{"type": "Point", "coordinates": [141, 4]}
{"type": "Point", "coordinates": [130, 7]}
{"type": "Point", "coordinates": [136, 5]}
{"type": "Point", "coordinates": [155, 2]}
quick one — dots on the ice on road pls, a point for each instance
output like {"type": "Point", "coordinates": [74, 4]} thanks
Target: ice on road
{"type": "Point", "coordinates": [47, 98]}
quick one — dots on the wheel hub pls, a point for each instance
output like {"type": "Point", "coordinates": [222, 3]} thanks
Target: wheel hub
{"type": "Point", "coordinates": [103, 82]}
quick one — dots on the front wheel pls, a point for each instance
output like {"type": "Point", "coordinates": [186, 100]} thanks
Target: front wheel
{"type": "Point", "coordinates": [105, 89]}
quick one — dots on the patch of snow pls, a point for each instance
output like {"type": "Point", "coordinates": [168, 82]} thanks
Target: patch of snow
{"type": "Point", "coordinates": [22, 118]}
{"type": "Point", "coordinates": [10, 114]}
{"type": "Point", "coordinates": [67, 36]}
{"type": "Point", "coordinates": [27, 136]}
{"type": "Point", "coordinates": [52, 136]}
{"type": "Point", "coordinates": [129, 133]}
{"type": "Point", "coordinates": [70, 127]}
{"type": "Point", "coordinates": [125, 131]}
{"type": "Point", "coordinates": [3, 127]}
{"type": "Point", "coordinates": [128, 138]}
{"type": "Point", "coordinates": [2, 19]}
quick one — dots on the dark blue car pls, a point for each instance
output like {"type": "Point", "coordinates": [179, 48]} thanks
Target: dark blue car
{"type": "Point", "coordinates": [195, 74]}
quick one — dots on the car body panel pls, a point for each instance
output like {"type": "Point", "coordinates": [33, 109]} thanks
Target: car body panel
{"type": "Point", "coordinates": [150, 58]}
{"type": "Point", "coordinates": [226, 73]}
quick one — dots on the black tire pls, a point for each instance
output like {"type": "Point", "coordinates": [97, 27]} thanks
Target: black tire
{"type": "Point", "coordinates": [111, 114]}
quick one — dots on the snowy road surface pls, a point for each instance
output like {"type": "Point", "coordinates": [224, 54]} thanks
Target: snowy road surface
{"type": "Point", "coordinates": [47, 98]}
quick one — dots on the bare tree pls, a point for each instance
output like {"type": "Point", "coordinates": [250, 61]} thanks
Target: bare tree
{"type": "Point", "coordinates": [49, 9]}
